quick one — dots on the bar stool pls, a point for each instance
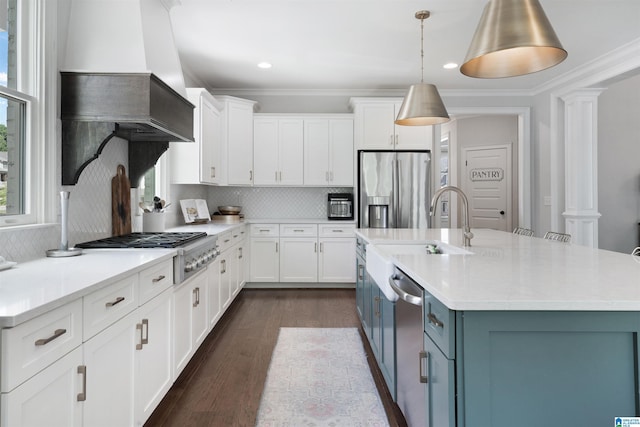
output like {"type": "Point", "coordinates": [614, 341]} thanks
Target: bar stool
{"type": "Point", "coordinates": [523, 231]}
{"type": "Point", "coordinates": [560, 237]}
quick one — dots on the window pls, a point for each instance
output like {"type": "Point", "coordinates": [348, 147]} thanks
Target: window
{"type": "Point", "coordinates": [18, 81]}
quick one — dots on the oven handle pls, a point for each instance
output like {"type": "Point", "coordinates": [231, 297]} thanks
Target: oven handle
{"type": "Point", "coordinates": [406, 290]}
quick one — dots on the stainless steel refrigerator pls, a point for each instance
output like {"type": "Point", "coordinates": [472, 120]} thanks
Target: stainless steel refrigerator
{"type": "Point", "coordinates": [394, 189]}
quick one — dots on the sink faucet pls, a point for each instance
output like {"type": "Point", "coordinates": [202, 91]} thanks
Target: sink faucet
{"type": "Point", "coordinates": [466, 234]}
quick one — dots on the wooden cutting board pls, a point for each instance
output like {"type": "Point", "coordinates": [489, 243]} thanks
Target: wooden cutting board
{"type": "Point", "coordinates": [120, 203]}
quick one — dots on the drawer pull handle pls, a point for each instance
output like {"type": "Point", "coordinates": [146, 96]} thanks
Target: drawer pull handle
{"type": "Point", "coordinates": [112, 303]}
{"type": "Point", "coordinates": [139, 328]}
{"type": "Point", "coordinates": [424, 367]}
{"type": "Point", "coordinates": [145, 322]}
{"type": "Point", "coordinates": [239, 253]}
{"type": "Point", "coordinates": [298, 231]}
{"type": "Point", "coordinates": [82, 396]}
{"type": "Point", "coordinates": [263, 230]}
{"type": "Point", "coordinates": [433, 319]}
{"type": "Point", "coordinates": [360, 272]}
{"type": "Point", "coordinates": [56, 334]}
{"type": "Point", "coordinates": [159, 278]}
{"type": "Point", "coordinates": [337, 231]}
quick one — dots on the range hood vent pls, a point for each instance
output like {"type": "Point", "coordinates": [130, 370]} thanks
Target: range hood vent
{"type": "Point", "coordinates": [138, 107]}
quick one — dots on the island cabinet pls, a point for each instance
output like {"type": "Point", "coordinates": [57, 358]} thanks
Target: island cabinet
{"type": "Point", "coordinates": [114, 374]}
{"type": "Point", "coordinates": [374, 127]}
{"type": "Point", "coordinates": [377, 316]}
{"type": "Point", "coordinates": [278, 151]}
{"type": "Point", "coordinates": [207, 150]}
{"type": "Point", "coordinates": [537, 367]}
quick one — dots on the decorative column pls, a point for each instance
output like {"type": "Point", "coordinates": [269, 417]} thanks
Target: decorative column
{"type": "Point", "coordinates": [581, 166]}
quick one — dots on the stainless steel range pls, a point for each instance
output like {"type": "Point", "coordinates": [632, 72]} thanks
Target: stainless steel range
{"type": "Point", "coordinates": [195, 250]}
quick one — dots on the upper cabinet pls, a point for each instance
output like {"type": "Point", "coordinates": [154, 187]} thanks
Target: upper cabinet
{"type": "Point", "coordinates": [278, 151]}
{"type": "Point", "coordinates": [237, 136]}
{"type": "Point", "coordinates": [375, 128]}
{"type": "Point", "coordinates": [206, 151]}
{"type": "Point", "coordinates": [328, 151]}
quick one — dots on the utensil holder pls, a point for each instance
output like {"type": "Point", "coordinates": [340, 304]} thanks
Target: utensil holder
{"type": "Point", "coordinates": [153, 222]}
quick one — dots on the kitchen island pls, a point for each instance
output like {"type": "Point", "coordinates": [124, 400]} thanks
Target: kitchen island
{"type": "Point", "coordinates": [527, 331]}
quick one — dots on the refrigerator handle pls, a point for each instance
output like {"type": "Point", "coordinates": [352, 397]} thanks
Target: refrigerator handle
{"type": "Point", "coordinates": [395, 200]}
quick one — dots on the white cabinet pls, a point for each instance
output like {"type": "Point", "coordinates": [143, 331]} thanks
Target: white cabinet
{"type": "Point", "coordinates": [109, 363]}
{"type": "Point", "coordinates": [303, 253]}
{"type": "Point", "coordinates": [278, 151]}
{"type": "Point", "coordinates": [214, 303]}
{"type": "Point", "coordinates": [48, 399]}
{"type": "Point", "coordinates": [328, 152]}
{"type": "Point", "coordinates": [207, 150]}
{"type": "Point", "coordinates": [190, 325]}
{"type": "Point", "coordinates": [298, 253]}
{"type": "Point", "coordinates": [336, 256]}
{"type": "Point", "coordinates": [154, 375]}
{"type": "Point", "coordinates": [264, 265]}
{"type": "Point", "coordinates": [237, 137]}
{"type": "Point", "coordinates": [375, 128]}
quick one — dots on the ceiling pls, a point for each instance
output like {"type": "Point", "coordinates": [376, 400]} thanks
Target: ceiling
{"type": "Point", "coordinates": [371, 44]}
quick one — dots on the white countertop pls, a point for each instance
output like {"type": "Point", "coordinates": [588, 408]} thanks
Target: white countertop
{"type": "Point", "coordinates": [35, 287]}
{"type": "Point", "coordinates": [511, 272]}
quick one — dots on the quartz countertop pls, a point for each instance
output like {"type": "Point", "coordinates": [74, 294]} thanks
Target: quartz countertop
{"type": "Point", "coordinates": [511, 272]}
{"type": "Point", "coordinates": [32, 288]}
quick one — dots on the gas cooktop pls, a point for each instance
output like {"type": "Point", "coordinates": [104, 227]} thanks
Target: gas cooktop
{"type": "Point", "coordinates": [144, 240]}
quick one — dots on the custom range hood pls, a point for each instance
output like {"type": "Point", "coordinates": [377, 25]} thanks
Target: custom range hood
{"type": "Point", "coordinates": [121, 80]}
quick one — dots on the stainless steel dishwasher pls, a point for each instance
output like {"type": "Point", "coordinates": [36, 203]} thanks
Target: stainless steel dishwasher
{"type": "Point", "coordinates": [410, 355]}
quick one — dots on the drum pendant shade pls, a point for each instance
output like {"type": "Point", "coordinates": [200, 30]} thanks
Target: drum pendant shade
{"type": "Point", "coordinates": [513, 38]}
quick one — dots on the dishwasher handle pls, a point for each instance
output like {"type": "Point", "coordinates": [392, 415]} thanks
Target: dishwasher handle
{"type": "Point", "coordinates": [406, 290]}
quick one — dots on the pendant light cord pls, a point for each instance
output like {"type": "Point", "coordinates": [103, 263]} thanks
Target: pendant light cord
{"type": "Point", "coordinates": [422, 50]}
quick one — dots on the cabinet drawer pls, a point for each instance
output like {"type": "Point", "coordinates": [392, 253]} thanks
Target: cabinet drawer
{"type": "Point", "coordinates": [265, 230]}
{"type": "Point", "coordinates": [154, 280]}
{"type": "Point", "coordinates": [336, 230]}
{"type": "Point", "coordinates": [238, 234]}
{"type": "Point", "coordinates": [106, 306]}
{"type": "Point", "coordinates": [298, 230]}
{"type": "Point", "coordinates": [32, 346]}
{"type": "Point", "coordinates": [224, 241]}
{"type": "Point", "coordinates": [439, 324]}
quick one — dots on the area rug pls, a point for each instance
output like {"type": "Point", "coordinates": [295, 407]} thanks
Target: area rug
{"type": "Point", "coordinates": [320, 377]}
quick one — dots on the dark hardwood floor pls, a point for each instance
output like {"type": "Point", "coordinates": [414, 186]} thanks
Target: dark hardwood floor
{"type": "Point", "coordinates": [223, 383]}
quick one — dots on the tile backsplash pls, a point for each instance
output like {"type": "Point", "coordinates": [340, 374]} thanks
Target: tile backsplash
{"type": "Point", "coordinates": [90, 206]}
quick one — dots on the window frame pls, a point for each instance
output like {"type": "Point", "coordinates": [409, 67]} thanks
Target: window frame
{"type": "Point", "coordinates": [37, 87]}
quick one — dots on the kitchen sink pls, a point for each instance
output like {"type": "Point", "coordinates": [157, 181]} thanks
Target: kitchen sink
{"type": "Point", "coordinates": [380, 259]}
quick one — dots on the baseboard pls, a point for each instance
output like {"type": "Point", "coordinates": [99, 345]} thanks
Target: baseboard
{"type": "Point", "coordinates": [298, 285]}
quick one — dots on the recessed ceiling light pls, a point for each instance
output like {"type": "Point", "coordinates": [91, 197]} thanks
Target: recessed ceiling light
{"type": "Point", "coordinates": [450, 65]}
{"type": "Point", "coordinates": [264, 65]}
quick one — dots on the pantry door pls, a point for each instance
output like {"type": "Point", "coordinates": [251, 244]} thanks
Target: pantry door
{"type": "Point", "coordinates": [487, 181]}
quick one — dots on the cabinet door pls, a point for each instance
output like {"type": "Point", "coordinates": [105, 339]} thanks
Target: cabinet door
{"type": "Point", "coordinates": [153, 364]}
{"type": "Point", "coordinates": [290, 152]}
{"type": "Point", "coordinates": [412, 137]}
{"type": "Point", "coordinates": [214, 304]}
{"type": "Point", "coordinates": [265, 151]}
{"type": "Point", "coordinates": [341, 152]}
{"type": "Point", "coordinates": [210, 143]}
{"type": "Point", "coordinates": [387, 354]}
{"type": "Point", "coordinates": [190, 322]}
{"type": "Point", "coordinates": [239, 139]}
{"type": "Point", "coordinates": [242, 265]}
{"type": "Point", "coordinates": [109, 358]}
{"type": "Point", "coordinates": [225, 280]}
{"type": "Point", "coordinates": [232, 258]}
{"type": "Point", "coordinates": [360, 272]}
{"type": "Point", "coordinates": [47, 399]}
{"type": "Point", "coordinates": [440, 386]}
{"type": "Point", "coordinates": [298, 259]}
{"type": "Point", "coordinates": [376, 321]}
{"type": "Point", "coordinates": [367, 303]}
{"type": "Point", "coordinates": [264, 264]}
{"type": "Point", "coordinates": [377, 124]}
{"type": "Point", "coordinates": [316, 152]}
{"type": "Point", "coordinates": [336, 259]}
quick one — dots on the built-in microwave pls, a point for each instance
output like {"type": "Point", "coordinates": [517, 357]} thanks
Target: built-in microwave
{"type": "Point", "coordinates": [340, 206]}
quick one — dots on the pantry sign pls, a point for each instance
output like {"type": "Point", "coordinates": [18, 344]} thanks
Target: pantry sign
{"type": "Point", "coordinates": [486, 174]}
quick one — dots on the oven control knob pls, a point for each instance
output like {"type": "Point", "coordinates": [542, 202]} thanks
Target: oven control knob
{"type": "Point", "coordinates": [188, 266]}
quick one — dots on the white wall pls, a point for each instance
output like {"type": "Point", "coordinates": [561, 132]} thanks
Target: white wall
{"type": "Point", "coordinates": [619, 165]}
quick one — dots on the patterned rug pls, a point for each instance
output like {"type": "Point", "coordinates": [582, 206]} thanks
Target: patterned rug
{"type": "Point", "coordinates": [320, 377]}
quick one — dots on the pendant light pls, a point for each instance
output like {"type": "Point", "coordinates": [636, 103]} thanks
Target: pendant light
{"type": "Point", "coordinates": [514, 37]}
{"type": "Point", "coordinates": [422, 106]}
